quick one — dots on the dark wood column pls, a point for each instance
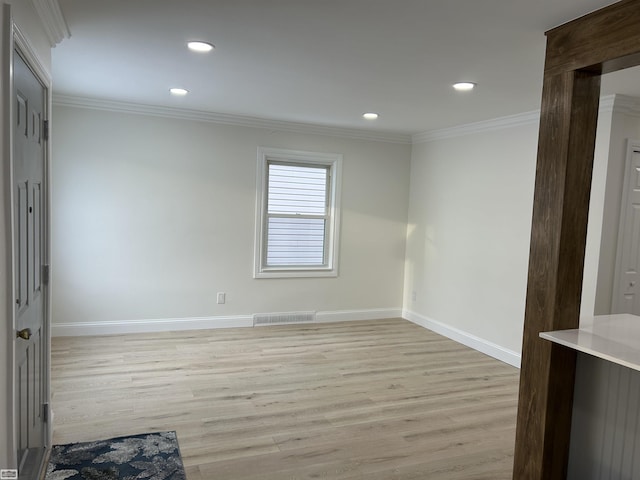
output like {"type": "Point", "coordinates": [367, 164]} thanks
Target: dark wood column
{"type": "Point", "coordinates": [577, 54]}
{"type": "Point", "coordinates": [561, 202]}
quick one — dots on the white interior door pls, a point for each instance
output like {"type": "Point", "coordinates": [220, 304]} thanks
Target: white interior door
{"type": "Point", "coordinates": [626, 289]}
{"type": "Point", "coordinates": [29, 241]}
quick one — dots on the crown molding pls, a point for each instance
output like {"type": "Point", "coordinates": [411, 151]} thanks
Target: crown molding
{"type": "Point", "coordinates": [608, 104]}
{"type": "Point", "coordinates": [228, 119]}
{"type": "Point", "coordinates": [55, 26]}
{"type": "Point", "coordinates": [626, 105]}
{"type": "Point", "coordinates": [499, 123]}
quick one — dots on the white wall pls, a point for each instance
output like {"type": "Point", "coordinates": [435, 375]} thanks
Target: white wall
{"type": "Point", "coordinates": [468, 234]}
{"type": "Point", "coordinates": [152, 216]}
{"type": "Point", "coordinates": [469, 229]}
{"type": "Point", "coordinates": [156, 216]}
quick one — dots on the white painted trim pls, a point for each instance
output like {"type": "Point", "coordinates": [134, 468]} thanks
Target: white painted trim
{"type": "Point", "coordinates": [500, 123]}
{"type": "Point", "coordinates": [618, 103]}
{"type": "Point", "coordinates": [52, 19]}
{"type": "Point", "coordinates": [203, 323]}
{"type": "Point", "coordinates": [8, 436]}
{"type": "Point", "coordinates": [32, 59]}
{"type": "Point", "coordinates": [151, 325]}
{"type": "Point", "coordinates": [626, 105]}
{"type": "Point", "coordinates": [608, 103]}
{"type": "Point", "coordinates": [229, 119]}
{"type": "Point", "coordinates": [465, 338]}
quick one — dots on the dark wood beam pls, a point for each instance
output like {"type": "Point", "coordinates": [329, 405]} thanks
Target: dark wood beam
{"type": "Point", "coordinates": [590, 42]}
{"type": "Point", "coordinates": [577, 54]}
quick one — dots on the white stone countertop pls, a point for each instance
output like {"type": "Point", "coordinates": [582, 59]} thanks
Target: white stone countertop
{"type": "Point", "coordinates": [615, 338]}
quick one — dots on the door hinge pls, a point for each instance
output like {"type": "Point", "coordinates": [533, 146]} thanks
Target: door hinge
{"type": "Point", "coordinates": [45, 129]}
{"type": "Point", "coordinates": [46, 273]}
{"type": "Point", "coordinates": [45, 412]}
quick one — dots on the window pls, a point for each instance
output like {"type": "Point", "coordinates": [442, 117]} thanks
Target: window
{"type": "Point", "coordinates": [298, 210]}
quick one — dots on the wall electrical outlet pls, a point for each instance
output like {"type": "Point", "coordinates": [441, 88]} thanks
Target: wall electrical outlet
{"type": "Point", "coordinates": [413, 296]}
{"type": "Point", "coordinates": [222, 297]}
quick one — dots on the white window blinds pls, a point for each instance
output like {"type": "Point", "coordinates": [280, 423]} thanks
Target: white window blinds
{"type": "Point", "coordinates": [297, 214]}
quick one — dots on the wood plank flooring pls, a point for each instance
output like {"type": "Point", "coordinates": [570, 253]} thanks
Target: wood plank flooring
{"type": "Point", "coordinates": [381, 400]}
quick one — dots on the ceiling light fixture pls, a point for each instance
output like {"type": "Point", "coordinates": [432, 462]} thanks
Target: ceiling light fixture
{"type": "Point", "coordinates": [202, 47]}
{"type": "Point", "coordinates": [464, 86]}
{"type": "Point", "coordinates": [370, 116]}
{"type": "Point", "coordinates": [178, 91]}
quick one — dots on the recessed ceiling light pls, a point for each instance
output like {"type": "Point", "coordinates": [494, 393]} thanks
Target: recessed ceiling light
{"type": "Point", "coordinates": [464, 86]}
{"type": "Point", "coordinates": [200, 46]}
{"type": "Point", "coordinates": [178, 91]}
{"type": "Point", "coordinates": [370, 115]}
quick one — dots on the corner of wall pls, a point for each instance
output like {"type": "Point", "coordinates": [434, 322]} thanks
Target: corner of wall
{"type": "Point", "coordinates": [482, 345]}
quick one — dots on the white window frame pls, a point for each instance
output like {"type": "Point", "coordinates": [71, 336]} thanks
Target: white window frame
{"type": "Point", "coordinates": [331, 160]}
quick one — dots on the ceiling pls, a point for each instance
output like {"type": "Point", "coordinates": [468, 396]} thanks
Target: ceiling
{"type": "Point", "coordinates": [321, 62]}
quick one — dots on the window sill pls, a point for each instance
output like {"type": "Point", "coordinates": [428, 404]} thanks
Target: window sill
{"type": "Point", "coordinates": [295, 273]}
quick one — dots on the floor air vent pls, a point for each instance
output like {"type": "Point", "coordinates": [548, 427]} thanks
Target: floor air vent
{"type": "Point", "coordinates": [283, 318]}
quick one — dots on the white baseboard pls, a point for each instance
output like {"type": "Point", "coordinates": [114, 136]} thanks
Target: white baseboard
{"type": "Point", "coordinates": [465, 338]}
{"type": "Point", "coordinates": [199, 323]}
{"type": "Point", "coordinates": [151, 325]}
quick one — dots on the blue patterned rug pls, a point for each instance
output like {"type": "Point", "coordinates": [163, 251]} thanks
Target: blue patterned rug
{"type": "Point", "coordinates": [150, 456]}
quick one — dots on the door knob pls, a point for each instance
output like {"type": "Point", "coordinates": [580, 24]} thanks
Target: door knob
{"type": "Point", "coordinates": [25, 333]}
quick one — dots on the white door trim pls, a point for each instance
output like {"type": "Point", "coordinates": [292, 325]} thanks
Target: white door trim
{"type": "Point", "coordinates": [7, 429]}
{"type": "Point", "coordinates": [32, 59]}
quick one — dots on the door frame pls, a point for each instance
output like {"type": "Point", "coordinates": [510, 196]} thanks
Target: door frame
{"type": "Point", "coordinates": [16, 40]}
{"type": "Point", "coordinates": [577, 54]}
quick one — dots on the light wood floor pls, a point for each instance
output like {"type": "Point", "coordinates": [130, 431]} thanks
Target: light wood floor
{"type": "Point", "coordinates": [383, 400]}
